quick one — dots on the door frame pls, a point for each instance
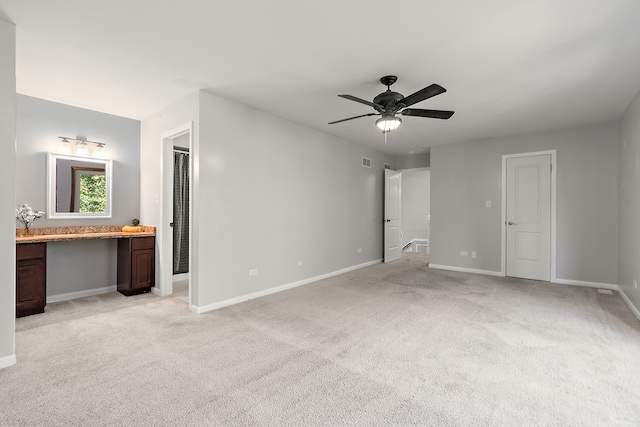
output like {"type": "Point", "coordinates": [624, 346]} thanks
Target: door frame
{"type": "Point", "coordinates": [166, 211]}
{"type": "Point", "coordinates": [554, 169]}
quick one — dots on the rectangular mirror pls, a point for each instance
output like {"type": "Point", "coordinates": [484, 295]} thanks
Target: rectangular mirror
{"type": "Point", "coordinates": [78, 187]}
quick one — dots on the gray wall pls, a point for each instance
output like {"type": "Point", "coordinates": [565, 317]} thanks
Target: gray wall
{"type": "Point", "coordinates": [267, 193]}
{"type": "Point", "coordinates": [275, 192]}
{"type": "Point", "coordinates": [629, 213]}
{"type": "Point", "coordinates": [416, 204]}
{"type": "Point", "coordinates": [413, 161]}
{"type": "Point", "coordinates": [39, 123]}
{"type": "Point", "coordinates": [7, 192]}
{"type": "Point", "coordinates": [465, 175]}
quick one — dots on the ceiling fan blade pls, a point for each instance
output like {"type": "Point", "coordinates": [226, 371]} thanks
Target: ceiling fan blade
{"type": "Point", "coordinates": [356, 117]}
{"type": "Point", "coordinates": [421, 95]}
{"type": "Point", "coordinates": [434, 114]}
{"type": "Point", "coordinates": [378, 107]}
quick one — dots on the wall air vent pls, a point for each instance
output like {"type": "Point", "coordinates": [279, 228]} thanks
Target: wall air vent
{"type": "Point", "coordinates": [366, 162]}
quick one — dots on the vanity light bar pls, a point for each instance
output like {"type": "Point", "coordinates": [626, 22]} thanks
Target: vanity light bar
{"type": "Point", "coordinates": [81, 144]}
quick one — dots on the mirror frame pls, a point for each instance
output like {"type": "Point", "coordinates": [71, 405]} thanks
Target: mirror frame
{"type": "Point", "coordinates": [52, 186]}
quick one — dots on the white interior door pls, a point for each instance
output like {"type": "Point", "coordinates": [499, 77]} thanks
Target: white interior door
{"type": "Point", "coordinates": [528, 217]}
{"type": "Point", "coordinates": [392, 226]}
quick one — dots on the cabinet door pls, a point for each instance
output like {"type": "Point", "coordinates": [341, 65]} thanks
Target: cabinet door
{"type": "Point", "coordinates": [31, 286]}
{"type": "Point", "coordinates": [142, 268]}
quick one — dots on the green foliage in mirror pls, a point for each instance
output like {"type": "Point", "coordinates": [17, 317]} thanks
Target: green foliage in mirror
{"type": "Point", "coordinates": [93, 193]}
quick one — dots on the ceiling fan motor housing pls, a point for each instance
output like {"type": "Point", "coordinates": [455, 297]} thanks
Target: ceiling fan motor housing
{"type": "Point", "coordinates": [388, 100]}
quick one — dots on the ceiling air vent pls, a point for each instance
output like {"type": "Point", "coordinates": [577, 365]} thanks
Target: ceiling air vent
{"type": "Point", "coordinates": [366, 162]}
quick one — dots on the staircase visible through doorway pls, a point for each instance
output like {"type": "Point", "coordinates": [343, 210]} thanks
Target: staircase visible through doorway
{"type": "Point", "coordinates": [417, 245]}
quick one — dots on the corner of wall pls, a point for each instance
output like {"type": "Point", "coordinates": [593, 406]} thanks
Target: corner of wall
{"type": "Point", "coordinates": [629, 206]}
{"type": "Point", "coordinates": [7, 193]}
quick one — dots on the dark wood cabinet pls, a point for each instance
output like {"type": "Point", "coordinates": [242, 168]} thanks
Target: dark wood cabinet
{"type": "Point", "coordinates": [31, 278]}
{"type": "Point", "coordinates": [136, 265]}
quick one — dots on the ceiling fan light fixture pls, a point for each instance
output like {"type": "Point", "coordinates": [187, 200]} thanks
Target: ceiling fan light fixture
{"type": "Point", "coordinates": [388, 123]}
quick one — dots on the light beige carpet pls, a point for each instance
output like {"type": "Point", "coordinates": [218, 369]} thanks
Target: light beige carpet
{"type": "Point", "coordinates": [389, 344]}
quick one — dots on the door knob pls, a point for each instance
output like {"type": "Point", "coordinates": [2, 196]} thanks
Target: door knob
{"type": "Point", "coordinates": [511, 223]}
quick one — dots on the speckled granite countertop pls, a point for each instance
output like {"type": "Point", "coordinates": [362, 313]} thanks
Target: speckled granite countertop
{"type": "Point", "coordinates": [57, 234]}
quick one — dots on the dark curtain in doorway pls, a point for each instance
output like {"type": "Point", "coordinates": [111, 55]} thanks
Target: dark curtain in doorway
{"type": "Point", "coordinates": [180, 212]}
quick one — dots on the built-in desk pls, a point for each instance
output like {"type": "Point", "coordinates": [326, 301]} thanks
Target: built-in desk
{"type": "Point", "coordinates": [136, 261]}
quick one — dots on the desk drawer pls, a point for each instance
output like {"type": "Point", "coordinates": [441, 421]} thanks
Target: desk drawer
{"type": "Point", "coordinates": [142, 243]}
{"type": "Point", "coordinates": [31, 251]}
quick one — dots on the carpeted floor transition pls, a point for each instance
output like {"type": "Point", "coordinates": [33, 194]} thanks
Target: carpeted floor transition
{"type": "Point", "coordinates": [394, 343]}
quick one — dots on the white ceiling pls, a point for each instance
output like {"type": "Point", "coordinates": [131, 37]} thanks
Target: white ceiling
{"type": "Point", "coordinates": [510, 66]}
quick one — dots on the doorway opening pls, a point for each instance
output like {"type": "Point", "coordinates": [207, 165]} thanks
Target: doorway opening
{"type": "Point", "coordinates": [416, 213]}
{"type": "Point", "coordinates": [176, 224]}
{"type": "Point", "coordinates": [408, 214]}
{"type": "Point", "coordinates": [181, 231]}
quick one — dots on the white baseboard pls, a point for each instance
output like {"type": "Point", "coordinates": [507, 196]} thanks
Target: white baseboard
{"type": "Point", "coordinates": [626, 299]}
{"type": "Point", "coordinates": [466, 270]}
{"type": "Point", "coordinates": [585, 284]}
{"type": "Point", "coordinates": [156, 291]}
{"type": "Point", "coordinates": [180, 277]}
{"type": "Point", "coordinates": [559, 281]}
{"type": "Point", "coordinates": [243, 298]}
{"type": "Point", "coordinates": [7, 361]}
{"type": "Point", "coordinates": [82, 294]}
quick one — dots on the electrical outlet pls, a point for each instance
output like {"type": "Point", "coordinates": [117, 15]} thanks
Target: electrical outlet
{"type": "Point", "coordinates": [635, 284]}
{"type": "Point", "coordinates": [473, 254]}
{"type": "Point", "coordinates": [300, 262]}
{"type": "Point", "coordinates": [359, 250]}
{"type": "Point", "coordinates": [464, 253]}
{"type": "Point", "coordinates": [253, 272]}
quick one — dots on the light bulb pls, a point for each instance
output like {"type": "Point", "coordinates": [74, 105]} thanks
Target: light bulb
{"type": "Point", "coordinates": [99, 150]}
{"type": "Point", "coordinates": [64, 146]}
{"type": "Point", "coordinates": [82, 149]}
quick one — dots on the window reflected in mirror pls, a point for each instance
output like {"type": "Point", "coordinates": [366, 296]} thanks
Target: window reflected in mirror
{"type": "Point", "coordinates": [89, 193]}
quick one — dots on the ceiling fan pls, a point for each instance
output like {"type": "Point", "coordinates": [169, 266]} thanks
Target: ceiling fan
{"type": "Point", "coordinates": [389, 103]}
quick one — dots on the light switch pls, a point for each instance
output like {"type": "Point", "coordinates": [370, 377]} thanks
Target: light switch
{"type": "Point", "coordinates": [487, 203]}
